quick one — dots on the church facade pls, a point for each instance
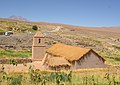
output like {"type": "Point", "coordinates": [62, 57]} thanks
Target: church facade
{"type": "Point", "coordinates": [38, 47]}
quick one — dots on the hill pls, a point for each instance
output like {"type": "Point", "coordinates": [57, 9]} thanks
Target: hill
{"type": "Point", "coordinates": [19, 18]}
{"type": "Point", "coordinates": [104, 40]}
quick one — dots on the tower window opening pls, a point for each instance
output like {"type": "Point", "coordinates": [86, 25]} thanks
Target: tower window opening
{"type": "Point", "coordinates": [39, 40]}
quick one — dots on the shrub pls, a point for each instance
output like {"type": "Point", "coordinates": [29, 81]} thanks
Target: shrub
{"type": "Point", "coordinates": [35, 27]}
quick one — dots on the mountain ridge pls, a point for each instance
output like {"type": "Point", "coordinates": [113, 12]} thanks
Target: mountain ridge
{"type": "Point", "coordinates": [19, 18]}
{"type": "Point", "coordinates": [51, 23]}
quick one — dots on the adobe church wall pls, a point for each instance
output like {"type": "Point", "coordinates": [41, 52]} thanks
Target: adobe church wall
{"type": "Point", "coordinates": [91, 60]}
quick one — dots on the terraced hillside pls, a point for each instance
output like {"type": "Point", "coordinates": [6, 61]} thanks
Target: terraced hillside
{"type": "Point", "coordinates": [105, 40]}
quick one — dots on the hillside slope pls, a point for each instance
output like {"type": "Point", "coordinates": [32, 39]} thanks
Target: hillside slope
{"type": "Point", "coordinates": [104, 40]}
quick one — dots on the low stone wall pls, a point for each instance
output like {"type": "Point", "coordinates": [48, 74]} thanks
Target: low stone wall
{"type": "Point", "coordinates": [2, 33]}
{"type": "Point", "coordinates": [18, 60]}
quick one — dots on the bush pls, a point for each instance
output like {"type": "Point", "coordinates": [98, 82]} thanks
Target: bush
{"type": "Point", "coordinates": [35, 27]}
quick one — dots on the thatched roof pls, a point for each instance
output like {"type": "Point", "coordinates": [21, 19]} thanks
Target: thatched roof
{"type": "Point", "coordinates": [70, 53]}
{"type": "Point", "coordinates": [57, 61]}
{"type": "Point", "coordinates": [38, 34]}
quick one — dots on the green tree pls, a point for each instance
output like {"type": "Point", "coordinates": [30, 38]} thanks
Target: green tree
{"type": "Point", "coordinates": [35, 27]}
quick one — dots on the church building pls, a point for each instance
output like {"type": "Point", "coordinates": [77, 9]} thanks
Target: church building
{"type": "Point", "coordinates": [61, 56]}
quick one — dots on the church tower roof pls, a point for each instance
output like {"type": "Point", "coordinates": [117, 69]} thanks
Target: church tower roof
{"type": "Point", "coordinates": [38, 34]}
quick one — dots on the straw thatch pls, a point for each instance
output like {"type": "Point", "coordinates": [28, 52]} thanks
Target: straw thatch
{"type": "Point", "coordinates": [70, 53]}
{"type": "Point", "coordinates": [57, 61]}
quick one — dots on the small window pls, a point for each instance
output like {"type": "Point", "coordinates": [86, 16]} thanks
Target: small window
{"type": "Point", "coordinates": [39, 40]}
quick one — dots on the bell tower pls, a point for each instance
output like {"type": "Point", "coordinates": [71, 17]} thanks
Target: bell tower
{"type": "Point", "coordinates": [38, 47]}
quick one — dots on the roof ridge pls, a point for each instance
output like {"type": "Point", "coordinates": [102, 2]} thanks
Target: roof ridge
{"type": "Point", "coordinates": [38, 34]}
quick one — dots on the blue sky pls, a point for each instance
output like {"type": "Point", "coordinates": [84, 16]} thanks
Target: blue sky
{"type": "Point", "coordinates": [74, 12]}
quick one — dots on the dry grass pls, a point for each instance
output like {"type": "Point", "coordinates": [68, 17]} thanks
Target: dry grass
{"type": "Point", "coordinates": [57, 61]}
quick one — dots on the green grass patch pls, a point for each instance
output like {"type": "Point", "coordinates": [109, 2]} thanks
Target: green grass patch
{"type": "Point", "coordinates": [117, 59]}
{"type": "Point", "coordinates": [15, 54]}
{"type": "Point", "coordinates": [2, 30]}
{"type": "Point", "coordinates": [31, 30]}
{"type": "Point", "coordinates": [111, 58]}
{"type": "Point", "coordinates": [117, 47]}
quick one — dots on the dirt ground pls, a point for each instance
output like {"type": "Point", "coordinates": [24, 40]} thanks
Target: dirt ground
{"type": "Point", "coordinates": [22, 67]}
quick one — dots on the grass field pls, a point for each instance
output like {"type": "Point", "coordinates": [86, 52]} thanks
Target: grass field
{"type": "Point", "coordinates": [103, 76]}
{"type": "Point", "coordinates": [15, 54]}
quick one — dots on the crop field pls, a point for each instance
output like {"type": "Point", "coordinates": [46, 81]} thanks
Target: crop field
{"type": "Point", "coordinates": [98, 76]}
